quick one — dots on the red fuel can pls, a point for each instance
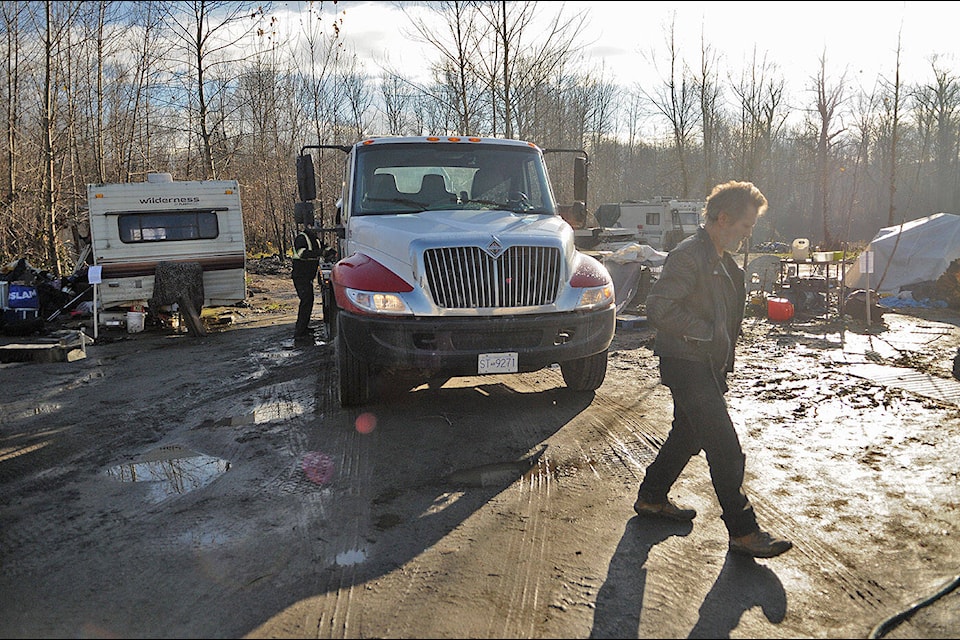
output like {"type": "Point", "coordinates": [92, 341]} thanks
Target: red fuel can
{"type": "Point", "coordinates": [779, 309]}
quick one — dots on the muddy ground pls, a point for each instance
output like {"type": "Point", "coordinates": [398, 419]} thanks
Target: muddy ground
{"type": "Point", "coordinates": [168, 485]}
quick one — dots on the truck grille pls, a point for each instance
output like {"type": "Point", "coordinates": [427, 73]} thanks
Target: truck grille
{"type": "Point", "coordinates": [468, 277]}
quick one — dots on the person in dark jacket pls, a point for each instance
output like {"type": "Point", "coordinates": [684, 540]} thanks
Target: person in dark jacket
{"type": "Point", "coordinates": [307, 251]}
{"type": "Point", "coordinates": [697, 307]}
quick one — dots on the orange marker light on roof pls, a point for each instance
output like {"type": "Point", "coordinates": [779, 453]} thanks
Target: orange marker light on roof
{"type": "Point", "coordinates": [454, 139]}
{"type": "Point", "coordinates": [368, 142]}
{"type": "Point", "coordinates": [474, 139]}
{"type": "Point", "coordinates": [432, 139]}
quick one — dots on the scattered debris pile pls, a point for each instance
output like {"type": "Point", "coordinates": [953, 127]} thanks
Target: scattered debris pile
{"type": "Point", "coordinates": [31, 297]}
{"type": "Point", "coordinates": [948, 285]}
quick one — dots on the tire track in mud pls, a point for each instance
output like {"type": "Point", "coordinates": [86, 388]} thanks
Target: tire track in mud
{"type": "Point", "coordinates": [343, 551]}
{"type": "Point", "coordinates": [518, 568]}
{"type": "Point", "coordinates": [525, 563]}
{"type": "Point", "coordinates": [526, 557]}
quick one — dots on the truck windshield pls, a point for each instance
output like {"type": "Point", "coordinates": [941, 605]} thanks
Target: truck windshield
{"type": "Point", "coordinates": [414, 177]}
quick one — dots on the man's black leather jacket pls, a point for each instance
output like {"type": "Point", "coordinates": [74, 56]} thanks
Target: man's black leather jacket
{"type": "Point", "coordinates": [697, 304]}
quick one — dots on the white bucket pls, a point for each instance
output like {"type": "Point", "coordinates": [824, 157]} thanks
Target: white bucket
{"type": "Point", "coordinates": [801, 249]}
{"type": "Point", "coordinates": [135, 321]}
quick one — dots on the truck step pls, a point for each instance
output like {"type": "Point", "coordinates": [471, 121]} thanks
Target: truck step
{"type": "Point", "coordinates": [627, 321]}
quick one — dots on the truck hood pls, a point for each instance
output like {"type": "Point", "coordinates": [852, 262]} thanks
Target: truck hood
{"type": "Point", "coordinates": [389, 238]}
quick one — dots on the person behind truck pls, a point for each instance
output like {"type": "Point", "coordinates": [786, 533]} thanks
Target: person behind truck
{"type": "Point", "coordinates": [307, 251]}
{"type": "Point", "coordinates": [697, 307]}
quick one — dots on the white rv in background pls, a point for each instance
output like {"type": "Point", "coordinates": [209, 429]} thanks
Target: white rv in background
{"type": "Point", "coordinates": [135, 226]}
{"type": "Point", "coordinates": [659, 222]}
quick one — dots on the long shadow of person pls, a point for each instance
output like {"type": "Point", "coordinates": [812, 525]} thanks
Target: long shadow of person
{"type": "Point", "coordinates": [741, 585]}
{"type": "Point", "coordinates": [620, 599]}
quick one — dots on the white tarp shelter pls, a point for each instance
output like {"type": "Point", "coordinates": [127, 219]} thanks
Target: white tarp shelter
{"type": "Point", "coordinates": [917, 251]}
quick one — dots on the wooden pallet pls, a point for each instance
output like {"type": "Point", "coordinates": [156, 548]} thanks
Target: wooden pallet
{"type": "Point", "coordinates": [61, 346]}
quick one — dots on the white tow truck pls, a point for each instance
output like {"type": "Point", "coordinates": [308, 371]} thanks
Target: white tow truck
{"type": "Point", "coordinates": [452, 259]}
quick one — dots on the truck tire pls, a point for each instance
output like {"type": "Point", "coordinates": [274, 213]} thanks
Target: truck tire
{"type": "Point", "coordinates": [354, 377]}
{"type": "Point", "coordinates": [329, 306]}
{"type": "Point", "coordinates": [585, 374]}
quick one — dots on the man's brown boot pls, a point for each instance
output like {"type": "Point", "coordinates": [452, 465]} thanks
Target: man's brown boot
{"type": "Point", "coordinates": [759, 544]}
{"type": "Point", "coordinates": [665, 509]}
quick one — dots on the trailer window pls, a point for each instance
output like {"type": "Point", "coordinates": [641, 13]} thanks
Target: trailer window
{"type": "Point", "coordinates": [159, 227]}
{"type": "Point", "coordinates": [653, 219]}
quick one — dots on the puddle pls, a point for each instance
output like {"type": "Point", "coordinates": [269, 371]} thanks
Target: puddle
{"type": "Point", "coordinates": [267, 412]}
{"type": "Point", "coordinates": [171, 471]}
{"type": "Point", "coordinates": [352, 557]}
{"type": "Point", "coordinates": [39, 410]}
{"type": "Point", "coordinates": [277, 355]}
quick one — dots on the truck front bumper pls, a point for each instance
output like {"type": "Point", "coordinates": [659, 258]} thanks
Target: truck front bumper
{"type": "Point", "coordinates": [452, 346]}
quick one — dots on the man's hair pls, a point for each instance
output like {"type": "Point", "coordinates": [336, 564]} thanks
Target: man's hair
{"type": "Point", "coordinates": [735, 198]}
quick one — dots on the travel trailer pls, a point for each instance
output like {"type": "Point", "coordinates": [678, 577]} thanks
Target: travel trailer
{"type": "Point", "coordinates": [136, 226]}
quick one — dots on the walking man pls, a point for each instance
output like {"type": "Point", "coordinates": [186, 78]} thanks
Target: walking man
{"type": "Point", "coordinates": [697, 307]}
{"type": "Point", "coordinates": [307, 250]}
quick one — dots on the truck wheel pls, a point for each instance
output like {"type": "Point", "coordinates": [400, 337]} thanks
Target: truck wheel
{"type": "Point", "coordinates": [354, 377]}
{"type": "Point", "coordinates": [585, 374]}
{"type": "Point", "coordinates": [329, 306]}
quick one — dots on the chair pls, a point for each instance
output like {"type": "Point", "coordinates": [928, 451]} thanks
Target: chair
{"type": "Point", "coordinates": [383, 193]}
{"type": "Point", "coordinates": [433, 190]}
{"type": "Point", "coordinates": [384, 187]}
{"type": "Point", "coordinates": [489, 184]}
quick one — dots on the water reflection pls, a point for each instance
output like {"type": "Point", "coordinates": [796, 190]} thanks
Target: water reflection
{"type": "Point", "coordinates": [171, 471]}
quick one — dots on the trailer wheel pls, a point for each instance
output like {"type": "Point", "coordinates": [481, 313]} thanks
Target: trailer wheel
{"type": "Point", "coordinates": [354, 376]}
{"type": "Point", "coordinates": [585, 374]}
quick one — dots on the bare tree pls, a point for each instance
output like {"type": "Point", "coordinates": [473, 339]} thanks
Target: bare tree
{"type": "Point", "coordinates": [359, 98]}
{"type": "Point", "coordinates": [829, 125]}
{"type": "Point", "coordinates": [54, 32]}
{"type": "Point", "coordinates": [209, 33]}
{"type": "Point", "coordinates": [515, 65]}
{"type": "Point", "coordinates": [11, 13]}
{"type": "Point", "coordinates": [943, 99]}
{"type": "Point", "coordinates": [459, 48]}
{"type": "Point", "coordinates": [676, 100]}
{"type": "Point", "coordinates": [894, 110]}
{"type": "Point", "coordinates": [760, 96]}
{"type": "Point", "coordinates": [710, 94]}
{"type": "Point", "coordinates": [134, 133]}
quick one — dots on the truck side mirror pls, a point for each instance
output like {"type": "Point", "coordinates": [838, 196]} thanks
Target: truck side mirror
{"type": "Point", "coordinates": [306, 179]}
{"type": "Point", "coordinates": [580, 179]}
{"type": "Point", "coordinates": [303, 213]}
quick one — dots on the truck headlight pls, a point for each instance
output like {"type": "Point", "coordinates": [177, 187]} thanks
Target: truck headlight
{"type": "Point", "coordinates": [372, 302]}
{"type": "Point", "coordinates": [596, 296]}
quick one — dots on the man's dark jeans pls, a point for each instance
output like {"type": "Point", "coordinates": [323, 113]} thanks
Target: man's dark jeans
{"type": "Point", "coordinates": [304, 287]}
{"type": "Point", "coordinates": [701, 422]}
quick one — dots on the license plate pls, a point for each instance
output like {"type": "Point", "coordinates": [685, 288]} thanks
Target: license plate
{"type": "Point", "coordinates": [497, 363]}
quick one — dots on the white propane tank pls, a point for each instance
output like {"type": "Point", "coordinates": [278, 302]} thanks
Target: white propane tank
{"type": "Point", "coordinates": [801, 249]}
